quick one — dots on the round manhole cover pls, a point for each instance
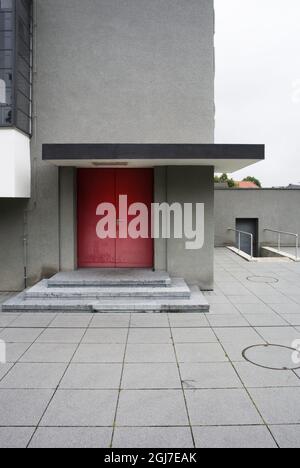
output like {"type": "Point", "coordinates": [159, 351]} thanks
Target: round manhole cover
{"type": "Point", "coordinates": [273, 357]}
{"type": "Point", "coordinates": [262, 279]}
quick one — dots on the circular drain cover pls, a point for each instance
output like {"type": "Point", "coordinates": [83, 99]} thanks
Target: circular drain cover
{"type": "Point", "coordinates": [273, 357]}
{"type": "Point", "coordinates": [263, 279]}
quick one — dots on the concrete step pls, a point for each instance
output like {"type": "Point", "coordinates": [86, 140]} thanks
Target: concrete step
{"type": "Point", "coordinates": [177, 289]}
{"type": "Point", "coordinates": [100, 278]}
{"type": "Point", "coordinates": [196, 303]}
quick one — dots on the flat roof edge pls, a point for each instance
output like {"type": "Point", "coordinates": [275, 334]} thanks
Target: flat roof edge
{"type": "Point", "coordinates": [54, 152]}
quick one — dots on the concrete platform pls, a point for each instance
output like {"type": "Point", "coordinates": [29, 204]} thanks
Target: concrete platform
{"type": "Point", "coordinates": [104, 291]}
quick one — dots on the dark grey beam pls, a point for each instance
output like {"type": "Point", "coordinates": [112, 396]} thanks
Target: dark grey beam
{"type": "Point", "coordinates": [56, 152]}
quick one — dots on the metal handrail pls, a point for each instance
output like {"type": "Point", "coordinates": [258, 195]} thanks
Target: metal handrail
{"type": "Point", "coordinates": [283, 233]}
{"type": "Point", "coordinates": [240, 233]}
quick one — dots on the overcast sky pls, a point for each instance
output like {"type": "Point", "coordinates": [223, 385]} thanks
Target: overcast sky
{"type": "Point", "coordinates": [258, 83]}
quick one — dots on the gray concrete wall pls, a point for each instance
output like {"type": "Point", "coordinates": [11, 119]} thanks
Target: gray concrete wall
{"type": "Point", "coordinates": [11, 244]}
{"type": "Point", "coordinates": [275, 209]}
{"type": "Point", "coordinates": [196, 266]}
{"type": "Point", "coordinates": [107, 71]}
{"type": "Point", "coordinates": [125, 71]}
{"type": "Point", "coordinates": [68, 218]}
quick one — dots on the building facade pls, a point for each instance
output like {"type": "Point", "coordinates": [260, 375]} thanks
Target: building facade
{"type": "Point", "coordinates": [112, 94]}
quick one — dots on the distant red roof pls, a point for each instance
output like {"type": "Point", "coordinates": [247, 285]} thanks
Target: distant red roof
{"type": "Point", "coordinates": [246, 185]}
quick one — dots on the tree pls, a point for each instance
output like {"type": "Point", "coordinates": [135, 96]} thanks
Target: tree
{"type": "Point", "coordinates": [254, 180]}
{"type": "Point", "coordinates": [231, 183]}
{"type": "Point", "coordinates": [224, 178]}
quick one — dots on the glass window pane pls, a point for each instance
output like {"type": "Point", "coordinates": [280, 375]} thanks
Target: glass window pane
{"type": "Point", "coordinates": [2, 92]}
{"type": "Point", "coordinates": [5, 21]}
{"type": "Point", "coordinates": [6, 41]}
{"type": "Point", "coordinates": [6, 4]}
{"type": "Point", "coordinates": [5, 116]}
{"type": "Point", "coordinates": [6, 59]}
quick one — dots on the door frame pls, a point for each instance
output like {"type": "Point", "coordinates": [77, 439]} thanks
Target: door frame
{"type": "Point", "coordinates": [256, 236]}
{"type": "Point", "coordinates": [77, 223]}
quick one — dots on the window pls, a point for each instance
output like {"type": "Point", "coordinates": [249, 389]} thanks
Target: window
{"type": "Point", "coordinates": [15, 64]}
{"type": "Point", "coordinates": [6, 4]}
{"type": "Point", "coordinates": [2, 92]}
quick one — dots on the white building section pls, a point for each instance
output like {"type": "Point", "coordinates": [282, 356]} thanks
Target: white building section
{"type": "Point", "coordinates": [15, 172]}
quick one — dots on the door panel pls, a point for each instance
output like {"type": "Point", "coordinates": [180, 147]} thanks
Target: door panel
{"type": "Point", "coordinates": [96, 186]}
{"type": "Point", "coordinates": [93, 188]}
{"type": "Point", "coordinates": [137, 184]}
{"type": "Point", "coordinates": [250, 226]}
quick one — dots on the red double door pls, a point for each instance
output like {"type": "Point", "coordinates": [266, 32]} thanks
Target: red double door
{"type": "Point", "coordinates": [96, 186]}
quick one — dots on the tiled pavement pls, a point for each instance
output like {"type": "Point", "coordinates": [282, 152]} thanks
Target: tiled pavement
{"type": "Point", "coordinates": [151, 380]}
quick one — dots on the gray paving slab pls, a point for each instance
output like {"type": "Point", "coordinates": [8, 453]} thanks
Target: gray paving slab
{"type": "Point", "coordinates": [246, 335]}
{"type": "Point", "coordinates": [286, 309]}
{"type": "Point", "coordinates": [265, 320]}
{"type": "Point", "coordinates": [61, 335]}
{"type": "Point", "coordinates": [33, 320]}
{"type": "Point", "coordinates": [149, 321]}
{"type": "Point", "coordinates": [99, 353]}
{"type": "Point", "coordinates": [150, 336]}
{"type": "Point", "coordinates": [151, 408]}
{"type": "Point", "coordinates": [193, 335]}
{"type": "Point", "coordinates": [279, 335]}
{"type": "Point", "coordinates": [227, 321]}
{"type": "Point", "coordinates": [93, 376]}
{"type": "Point", "coordinates": [153, 437]}
{"type": "Point", "coordinates": [151, 376]}
{"type": "Point", "coordinates": [105, 335]}
{"type": "Point", "coordinates": [188, 320]}
{"type": "Point", "coordinates": [277, 299]}
{"type": "Point", "coordinates": [211, 375]}
{"type": "Point", "coordinates": [4, 368]}
{"type": "Point", "coordinates": [278, 405]}
{"type": "Point", "coordinates": [7, 319]}
{"type": "Point", "coordinates": [20, 335]}
{"type": "Point", "coordinates": [110, 321]}
{"type": "Point", "coordinates": [224, 309]}
{"type": "Point", "coordinates": [33, 376]}
{"type": "Point", "coordinates": [86, 408]}
{"type": "Point", "coordinates": [233, 288]}
{"type": "Point", "coordinates": [292, 319]}
{"type": "Point", "coordinates": [255, 309]}
{"type": "Point", "coordinates": [14, 351]}
{"type": "Point", "coordinates": [237, 300]}
{"type": "Point", "coordinates": [138, 353]}
{"type": "Point", "coordinates": [72, 437]}
{"type": "Point", "coordinates": [200, 352]}
{"type": "Point", "coordinates": [230, 437]}
{"type": "Point", "coordinates": [287, 437]}
{"type": "Point", "coordinates": [49, 353]}
{"type": "Point", "coordinates": [216, 298]}
{"type": "Point", "coordinates": [253, 376]}
{"type": "Point", "coordinates": [23, 407]}
{"type": "Point", "coordinates": [71, 321]}
{"type": "Point", "coordinates": [221, 408]}
{"type": "Point", "coordinates": [15, 437]}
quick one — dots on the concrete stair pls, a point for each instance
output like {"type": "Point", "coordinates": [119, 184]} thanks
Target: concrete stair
{"type": "Point", "coordinates": [100, 278]}
{"type": "Point", "coordinates": [103, 291]}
